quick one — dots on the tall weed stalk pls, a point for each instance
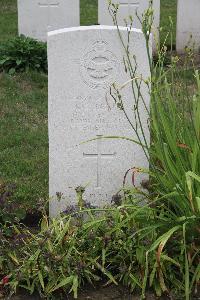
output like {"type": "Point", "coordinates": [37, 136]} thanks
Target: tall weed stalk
{"type": "Point", "coordinates": [174, 157]}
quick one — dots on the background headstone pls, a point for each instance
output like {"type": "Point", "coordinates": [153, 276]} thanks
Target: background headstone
{"type": "Point", "coordinates": [188, 25]}
{"type": "Point", "coordinates": [37, 17]}
{"type": "Point", "coordinates": [83, 63]}
{"type": "Point", "coordinates": [129, 8]}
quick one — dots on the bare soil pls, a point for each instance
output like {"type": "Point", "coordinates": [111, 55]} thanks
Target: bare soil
{"type": "Point", "coordinates": [107, 293]}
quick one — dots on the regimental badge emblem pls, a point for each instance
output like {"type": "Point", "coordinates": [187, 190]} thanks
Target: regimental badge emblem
{"type": "Point", "coordinates": [99, 66]}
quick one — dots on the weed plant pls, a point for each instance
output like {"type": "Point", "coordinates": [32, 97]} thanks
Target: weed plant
{"type": "Point", "coordinates": [174, 157]}
{"type": "Point", "coordinates": [21, 54]}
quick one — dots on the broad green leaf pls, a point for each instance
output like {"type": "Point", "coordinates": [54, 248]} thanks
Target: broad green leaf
{"type": "Point", "coordinates": [187, 274]}
{"type": "Point", "coordinates": [135, 280]}
{"type": "Point", "coordinates": [169, 259]}
{"type": "Point", "coordinates": [164, 238]}
{"type": "Point", "coordinates": [41, 279]}
{"type": "Point", "coordinates": [11, 71]}
{"type": "Point", "coordinates": [107, 273]}
{"type": "Point", "coordinates": [63, 283]}
{"type": "Point", "coordinates": [75, 287]}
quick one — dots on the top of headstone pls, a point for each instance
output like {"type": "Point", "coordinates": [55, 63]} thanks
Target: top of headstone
{"type": "Point", "coordinates": [94, 27]}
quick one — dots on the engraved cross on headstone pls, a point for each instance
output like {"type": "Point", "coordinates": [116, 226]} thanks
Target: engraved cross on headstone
{"type": "Point", "coordinates": [49, 4]}
{"type": "Point", "coordinates": [99, 155]}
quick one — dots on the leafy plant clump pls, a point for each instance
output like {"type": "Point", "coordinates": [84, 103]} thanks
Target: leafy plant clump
{"type": "Point", "coordinates": [129, 244]}
{"type": "Point", "coordinates": [21, 54]}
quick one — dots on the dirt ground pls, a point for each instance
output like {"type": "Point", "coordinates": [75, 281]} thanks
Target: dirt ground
{"type": "Point", "coordinates": [107, 293]}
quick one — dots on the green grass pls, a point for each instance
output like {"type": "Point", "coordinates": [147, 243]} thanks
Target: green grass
{"type": "Point", "coordinates": [23, 111]}
{"type": "Point", "coordinates": [23, 134]}
{"type": "Point", "coordinates": [8, 19]}
{"type": "Point", "coordinates": [168, 10]}
{"type": "Point", "coordinates": [89, 12]}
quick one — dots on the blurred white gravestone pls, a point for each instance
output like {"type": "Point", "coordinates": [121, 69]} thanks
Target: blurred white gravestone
{"type": "Point", "coordinates": [188, 25]}
{"type": "Point", "coordinates": [37, 17]}
{"type": "Point", "coordinates": [83, 63]}
{"type": "Point", "coordinates": [134, 8]}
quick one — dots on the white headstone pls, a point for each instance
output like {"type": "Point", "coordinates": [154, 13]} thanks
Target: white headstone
{"type": "Point", "coordinates": [188, 25]}
{"type": "Point", "coordinates": [83, 63]}
{"type": "Point", "coordinates": [37, 17]}
{"type": "Point", "coordinates": [134, 8]}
